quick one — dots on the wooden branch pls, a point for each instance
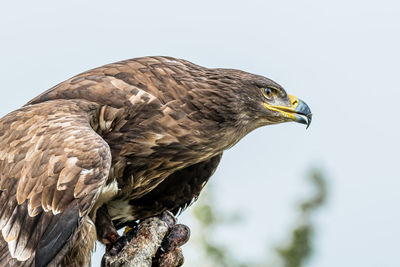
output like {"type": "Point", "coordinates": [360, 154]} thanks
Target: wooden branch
{"type": "Point", "coordinates": [156, 242]}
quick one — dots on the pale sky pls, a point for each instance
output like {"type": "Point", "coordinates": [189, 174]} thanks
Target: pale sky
{"type": "Point", "coordinates": [341, 57]}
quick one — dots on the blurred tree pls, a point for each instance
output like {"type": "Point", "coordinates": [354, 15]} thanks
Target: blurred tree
{"type": "Point", "coordinates": [301, 246]}
{"type": "Point", "coordinates": [293, 254]}
{"type": "Point", "coordinates": [209, 221]}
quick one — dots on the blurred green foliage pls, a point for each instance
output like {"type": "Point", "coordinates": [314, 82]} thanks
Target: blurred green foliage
{"type": "Point", "coordinates": [301, 246]}
{"type": "Point", "coordinates": [209, 220]}
{"type": "Point", "coordinates": [295, 253]}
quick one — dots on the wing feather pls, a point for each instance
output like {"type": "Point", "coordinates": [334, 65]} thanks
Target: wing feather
{"type": "Point", "coordinates": [52, 168]}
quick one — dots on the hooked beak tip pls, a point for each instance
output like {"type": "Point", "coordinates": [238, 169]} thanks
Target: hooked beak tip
{"type": "Point", "coordinates": [303, 113]}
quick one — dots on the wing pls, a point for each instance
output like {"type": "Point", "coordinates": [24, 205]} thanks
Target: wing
{"type": "Point", "coordinates": [52, 168]}
{"type": "Point", "coordinates": [176, 192]}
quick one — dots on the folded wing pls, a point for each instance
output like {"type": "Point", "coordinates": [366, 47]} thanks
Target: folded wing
{"type": "Point", "coordinates": [53, 166]}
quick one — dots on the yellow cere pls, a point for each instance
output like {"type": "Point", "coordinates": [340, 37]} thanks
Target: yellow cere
{"type": "Point", "coordinates": [294, 101]}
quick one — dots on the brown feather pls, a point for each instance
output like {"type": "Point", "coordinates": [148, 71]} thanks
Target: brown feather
{"type": "Point", "coordinates": [53, 126]}
{"type": "Point", "coordinates": [139, 136]}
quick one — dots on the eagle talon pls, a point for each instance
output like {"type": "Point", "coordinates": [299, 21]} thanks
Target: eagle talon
{"type": "Point", "coordinates": [169, 253]}
{"type": "Point", "coordinates": [176, 237]}
{"type": "Point", "coordinates": [111, 238]}
{"type": "Point", "coordinates": [168, 218]}
{"type": "Point", "coordinates": [114, 248]}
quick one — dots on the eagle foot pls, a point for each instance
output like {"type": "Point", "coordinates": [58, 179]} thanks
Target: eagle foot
{"type": "Point", "coordinates": [114, 248]}
{"type": "Point", "coordinates": [120, 242]}
{"type": "Point", "coordinates": [153, 242]}
{"type": "Point", "coordinates": [169, 253]}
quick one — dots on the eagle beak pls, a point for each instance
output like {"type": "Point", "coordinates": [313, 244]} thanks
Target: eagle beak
{"type": "Point", "coordinates": [298, 110]}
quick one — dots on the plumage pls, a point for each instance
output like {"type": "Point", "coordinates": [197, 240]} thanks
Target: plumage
{"type": "Point", "coordinates": [131, 139]}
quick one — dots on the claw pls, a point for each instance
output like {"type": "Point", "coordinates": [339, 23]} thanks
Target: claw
{"type": "Point", "coordinates": [178, 236]}
{"type": "Point", "coordinates": [168, 218]}
{"type": "Point", "coordinates": [172, 258]}
{"type": "Point", "coordinates": [114, 248]}
{"type": "Point", "coordinates": [110, 238]}
{"type": "Point", "coordinates": [170, 253]}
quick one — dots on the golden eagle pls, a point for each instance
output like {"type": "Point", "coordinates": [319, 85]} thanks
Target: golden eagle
{"type": "Point", "coordinates": [130, 139]}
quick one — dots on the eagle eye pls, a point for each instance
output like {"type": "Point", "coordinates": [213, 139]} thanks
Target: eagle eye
{"type": "Point", "coordinates": [267, 92]}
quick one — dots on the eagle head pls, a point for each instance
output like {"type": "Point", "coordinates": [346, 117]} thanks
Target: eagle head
{"type": "Point", "coordinates": [259, 101]}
